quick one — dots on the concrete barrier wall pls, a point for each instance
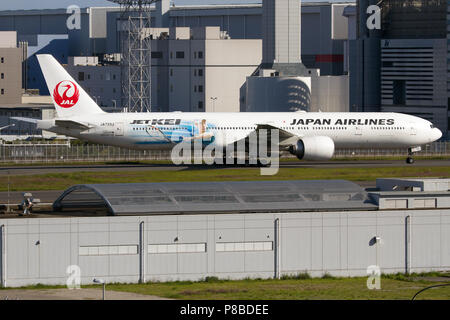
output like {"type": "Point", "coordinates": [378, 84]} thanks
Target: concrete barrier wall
{"type": "Point", "coordinates": [233, 246]}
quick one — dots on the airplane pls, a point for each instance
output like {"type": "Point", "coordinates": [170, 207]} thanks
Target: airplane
{"type": "Point", "coordinates": [307, 135]}
{"type": "Point", "coordinates": [6, 127]}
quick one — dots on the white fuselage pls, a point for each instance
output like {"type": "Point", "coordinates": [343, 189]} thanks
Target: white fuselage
{"type": "Point", "coordinates": [164, 130]}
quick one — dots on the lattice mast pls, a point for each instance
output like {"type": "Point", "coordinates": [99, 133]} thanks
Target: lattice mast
{"type": "Point", "coordinates": [136, 54]}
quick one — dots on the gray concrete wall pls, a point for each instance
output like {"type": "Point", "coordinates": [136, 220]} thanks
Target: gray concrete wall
{"type": "Point", "coordinates": [231, 246]}
{"type": "Point", "coordinates": [330, 94]}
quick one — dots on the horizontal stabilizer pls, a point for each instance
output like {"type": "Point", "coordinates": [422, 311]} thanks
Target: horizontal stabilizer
{"type": "Point", "coordinates": [29, 120]}
{"type": "Point", "coordinates": [70, 124]}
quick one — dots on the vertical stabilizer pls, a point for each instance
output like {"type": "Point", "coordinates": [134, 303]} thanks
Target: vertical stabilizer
{"type": "Point", "coordinates": [68, 96]}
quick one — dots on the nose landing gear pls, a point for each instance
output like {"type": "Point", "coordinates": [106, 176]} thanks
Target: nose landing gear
{"type": "Point", "coordinates": [411, 152]}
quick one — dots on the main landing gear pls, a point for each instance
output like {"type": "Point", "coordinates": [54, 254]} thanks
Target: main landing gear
{"type": "Point", "coordinates": [411, 152]}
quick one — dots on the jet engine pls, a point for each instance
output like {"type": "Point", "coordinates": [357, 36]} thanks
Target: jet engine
{"type": "Point", "coordinates": [313, 148]}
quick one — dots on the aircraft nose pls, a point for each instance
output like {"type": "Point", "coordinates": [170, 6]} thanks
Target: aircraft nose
{"type": "Point", "coordinates": [438, 133]}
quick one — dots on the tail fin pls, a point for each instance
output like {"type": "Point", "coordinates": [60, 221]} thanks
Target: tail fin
{"type": "Point", "coordinates": [68, 96]}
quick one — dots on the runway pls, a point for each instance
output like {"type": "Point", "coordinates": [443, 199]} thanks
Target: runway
{"type": "Point", "coordinates": [25, 170]}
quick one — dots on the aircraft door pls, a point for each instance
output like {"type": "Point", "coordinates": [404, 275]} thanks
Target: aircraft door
{"type": "Point", "coordinates": [118, 129]}
{"type": "Point", "coordinates": [413, 131]}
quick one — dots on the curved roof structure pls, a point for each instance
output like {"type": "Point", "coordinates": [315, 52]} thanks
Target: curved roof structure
{"type": "Point", "coordinates": [217, 197]}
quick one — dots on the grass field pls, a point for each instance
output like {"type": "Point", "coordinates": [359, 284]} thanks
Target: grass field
{"type": "Point", "coordinates": [59, 181]}
{"type": "Point", "coordinates": [293, 289]}
{"type": "Point", "coordinates": [301, 287]}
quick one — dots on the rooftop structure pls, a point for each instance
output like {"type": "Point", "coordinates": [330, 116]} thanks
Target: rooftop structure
{"type": "Point", "coordinates": [216, 197]}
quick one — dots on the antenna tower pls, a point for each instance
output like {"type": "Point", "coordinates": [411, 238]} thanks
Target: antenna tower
{"type": "Point", "coordinates": [136, 54]}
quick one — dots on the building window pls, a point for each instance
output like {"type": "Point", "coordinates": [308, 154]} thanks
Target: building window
{"type": "Point", "coordinates": [3, 76]}
{"type": "Point", "coordinates": [171, 88]}
{"type": "Point", "coordinates": [200, 54]}
{"type": "Point", "coordinates": [177, 248]}
{"type": "Point", "coordinates": [114, 90]}
{"type": "Point", "coordinates": [2, 59]}
{"type": "Point", "coordinates": [114, 77]}
{"type": "Point", "coordinates": [180, 55]}
{"type": "Point", "coordinates": [107, 250]}
{"type": "Point", "coordinates": [244, 246]}
{"type": "Point", "coordinates": [200, 88]}
{"type": "Point", "coordinates": [157, 55]}
{"type": "Point", "coordinates": [200, 104]}
{"type": "Point", "coordinates": [80, 76]}
{"type": "Point", "coordinates": [108, 76]}
{"type": "Point", "coordinates": [171, 55]}
{"type": "Point", "coordinates": [399, 96]}
{"type": "Point", "coordinates": [3, 91]}
{"type": "Point", "coordinates": [200, 72]}
{"type": "Point", "coordinates": [171, 72]}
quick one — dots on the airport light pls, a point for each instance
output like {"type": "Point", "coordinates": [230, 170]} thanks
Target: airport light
{"type": "Point", "coordinates": [101, 281]}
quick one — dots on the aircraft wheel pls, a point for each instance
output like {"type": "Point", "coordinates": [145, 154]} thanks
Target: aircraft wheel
{"type": "Point", "coordinates": [409, 160]}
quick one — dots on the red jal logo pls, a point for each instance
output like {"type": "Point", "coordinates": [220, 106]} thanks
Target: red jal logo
{"type": "Point", "coordinates": [70, 94]}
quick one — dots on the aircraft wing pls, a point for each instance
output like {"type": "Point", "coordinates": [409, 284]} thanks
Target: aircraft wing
{"type": "Point", "coordinates": [286, 139]}
{"type": "Point", "coordinates": [283, 135]}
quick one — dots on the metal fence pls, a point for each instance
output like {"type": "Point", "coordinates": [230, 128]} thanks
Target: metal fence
{"type": "Point", "coordinates": [45, 153]}
{"type": "Point", "coordinates": [65, 152]}
{"type": "Point", "coordinates": [435, 149]}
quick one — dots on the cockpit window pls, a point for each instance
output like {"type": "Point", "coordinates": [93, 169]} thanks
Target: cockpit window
{"type": "Point", "coordinates": [432, 126]}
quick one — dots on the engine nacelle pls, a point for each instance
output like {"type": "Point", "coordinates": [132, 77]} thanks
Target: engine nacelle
{"type": "Point", "coordinates": [313, 148]}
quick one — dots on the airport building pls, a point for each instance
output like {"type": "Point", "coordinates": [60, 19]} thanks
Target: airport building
{"type": "Point", "coordinates": [200, 69]}
{"type": "Point", "coordinates": [100, 81]}
{"type": "Point", "coordinates": [232, 230]}
{"type": "Point", "coordinates": [46, 31]}
{"type": "Point", "coordinates": [402, 67]}
{"type": "Point", "coordinates": [13, 101]}
{"type": "Point", "coordinates": [10, 69]}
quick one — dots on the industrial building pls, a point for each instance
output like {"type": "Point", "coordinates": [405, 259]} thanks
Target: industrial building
{"type": "Point", "coordinates": [10, 69]}
{"type": "Point", "coordinates": [13, 101]}
{"type": "Point", "coordinates": [402, 67]}
{"type": "Point", "coordinates": [320, 35]}
{"type": "Point", "coordinates": [101, 81]}
{"type": "Point", "coordinates": [231, 230]}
